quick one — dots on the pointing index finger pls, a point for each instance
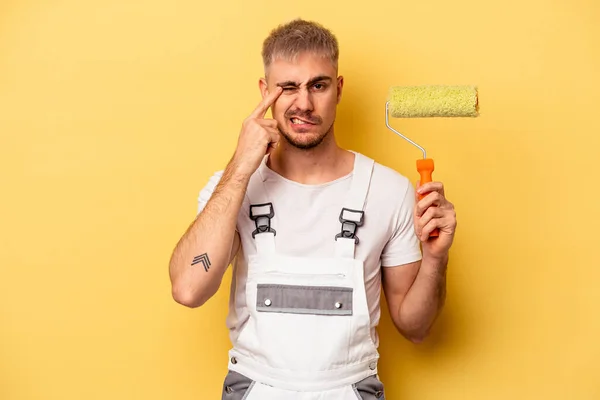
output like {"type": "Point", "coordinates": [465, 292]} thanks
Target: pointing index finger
{"type": "Point", "coordinates": [268, 100]}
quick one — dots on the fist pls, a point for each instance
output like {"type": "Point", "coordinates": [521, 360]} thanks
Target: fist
{"type": "Point", "coordinates": [432, 210]}
{"type": "Point", "coordinates": [258, 135]}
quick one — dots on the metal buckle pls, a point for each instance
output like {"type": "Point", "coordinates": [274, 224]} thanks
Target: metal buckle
{"type": "Point", "coordinates": [258, 218]}
{"type": "Point", "coordinates": [352, 225]}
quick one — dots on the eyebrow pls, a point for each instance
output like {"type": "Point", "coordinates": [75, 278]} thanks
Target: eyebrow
{"type": "Point", "coordinates": [310, 82]}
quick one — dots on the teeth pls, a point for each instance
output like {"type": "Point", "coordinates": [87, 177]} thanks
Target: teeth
{"type": "Point", "coordinates": [297, 121]}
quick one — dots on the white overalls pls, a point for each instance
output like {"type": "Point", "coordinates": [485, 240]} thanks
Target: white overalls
{"type": "Point", "coordinates": [308, 333]}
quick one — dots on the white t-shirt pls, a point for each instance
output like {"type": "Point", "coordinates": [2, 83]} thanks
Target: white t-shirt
{"type": "Point", "coordinates": [308, 214]}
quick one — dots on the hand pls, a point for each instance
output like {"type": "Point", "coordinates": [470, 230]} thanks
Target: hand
{"type": "Point", "coordinates": [434, 211]}
{"type": "Point", "coordinates": [258, 136]}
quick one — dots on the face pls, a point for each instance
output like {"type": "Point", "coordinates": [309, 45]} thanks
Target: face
{"type": "Point", "coordinates": [306, 109]}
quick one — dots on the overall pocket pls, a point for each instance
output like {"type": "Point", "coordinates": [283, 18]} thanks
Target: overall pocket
{"type": "Point", "coordinates": [301, 322]}
{"type": "Point", "coordinates": [370, 388]}
{"type": "Point", "coordinates": [236, 386]}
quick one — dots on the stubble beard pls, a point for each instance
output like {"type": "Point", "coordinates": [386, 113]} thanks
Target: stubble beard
{"type": "Point", "coordinates": [303, 145]}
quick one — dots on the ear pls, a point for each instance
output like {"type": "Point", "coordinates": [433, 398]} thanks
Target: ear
{"type": "Point", "coordinates": [340, 85]}
{"type": "Point", "coordinates": [263, 87]}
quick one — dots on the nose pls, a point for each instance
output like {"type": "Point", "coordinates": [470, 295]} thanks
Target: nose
{"type": "Point", "coordinates": [304, 100]}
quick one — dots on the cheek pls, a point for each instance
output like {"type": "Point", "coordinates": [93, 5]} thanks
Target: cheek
{"type": "Point", "coordinates": [327, 105]}
{"type": "Point", "coordinates": [281, 105]}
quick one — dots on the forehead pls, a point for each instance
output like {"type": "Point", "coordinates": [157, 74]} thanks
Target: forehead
{"type": "Point", "coordinates": [301, 68]}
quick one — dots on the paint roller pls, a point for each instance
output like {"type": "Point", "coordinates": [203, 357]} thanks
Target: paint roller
{"type": "Point", "coordinates": [430, 101]}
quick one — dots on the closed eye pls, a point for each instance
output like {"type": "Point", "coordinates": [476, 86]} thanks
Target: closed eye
{"type": "Point", "coordinates": [318, 83]}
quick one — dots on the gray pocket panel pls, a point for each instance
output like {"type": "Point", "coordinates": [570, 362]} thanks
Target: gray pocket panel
{"type": "Point", "coordinates": [236, 386]}
{"type": "Point", "coordinates": [296, 299]}
{"type": "Point", "coordinates": [370, 388]}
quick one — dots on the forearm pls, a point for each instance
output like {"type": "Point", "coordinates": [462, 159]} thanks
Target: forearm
{"type": "Point", "coordinates": [424, 300]}
{"type": "Point", "coordinates": [202, 255]}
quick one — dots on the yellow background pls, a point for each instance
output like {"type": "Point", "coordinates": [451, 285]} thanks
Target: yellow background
{"type": "Point", "coordinates": [113, 114]}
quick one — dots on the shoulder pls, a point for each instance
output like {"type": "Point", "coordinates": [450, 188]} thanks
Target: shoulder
{"type": "Point", "coordinates": [390, 192]}
{"type": "Point", "coordinates": [388, 182]}
{"type": "Point", "coordinates": [385, 174]}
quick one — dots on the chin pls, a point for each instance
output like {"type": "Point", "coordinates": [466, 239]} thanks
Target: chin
{"type": "Point", "coordinates": [304, 136]}
{"type": "Point", "coordinates": [304, 141]}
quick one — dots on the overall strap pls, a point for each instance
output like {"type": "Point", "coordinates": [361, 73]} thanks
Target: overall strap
{"type": "Point", "coordinates": [352, 214]}
{"type": "Point", "coordinates": [261, 211]}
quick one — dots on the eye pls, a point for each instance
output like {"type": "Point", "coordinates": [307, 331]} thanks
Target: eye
{"type": "Point", "coordinates": [288, 88]}
{"type": "Point", "coordinates": [319, 86]}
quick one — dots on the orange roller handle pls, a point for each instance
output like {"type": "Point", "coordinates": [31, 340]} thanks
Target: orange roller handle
{"type": "Point", "coordinates": [425, 167]}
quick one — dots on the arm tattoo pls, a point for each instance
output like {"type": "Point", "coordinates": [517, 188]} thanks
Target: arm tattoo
{"type": "Point", "coordinates": [202, 258]}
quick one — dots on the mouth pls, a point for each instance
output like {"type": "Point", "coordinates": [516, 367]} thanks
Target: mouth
{"type": "Point", "coordinates": [298, 121]}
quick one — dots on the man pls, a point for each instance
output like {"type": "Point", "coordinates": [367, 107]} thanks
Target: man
{"type": "Point", "coordinates": [315, 232]}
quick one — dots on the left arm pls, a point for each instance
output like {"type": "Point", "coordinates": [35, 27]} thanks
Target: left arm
{"type": "Point", "coordinates": [416, 292]}
{"type": "Point", "coordinates": [415, 295]}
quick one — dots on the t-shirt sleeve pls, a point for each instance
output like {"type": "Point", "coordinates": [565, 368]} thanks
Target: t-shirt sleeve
{"type": "Point", "coordinates": [404, 245]}
{"type": "Point", "coordinates": [208, 189]}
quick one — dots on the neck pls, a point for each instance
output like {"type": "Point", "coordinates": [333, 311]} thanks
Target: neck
{"type": "Point", "coordinates": [323, 163]}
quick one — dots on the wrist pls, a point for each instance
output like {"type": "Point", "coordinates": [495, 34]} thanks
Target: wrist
{"type": "Point", "coordinates": [239, 171]}
{"type": "Point", "coordinates": [435, 262]}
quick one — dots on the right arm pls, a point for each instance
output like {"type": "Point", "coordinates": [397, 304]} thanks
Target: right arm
{"type": "Point", "coordinates": [208, 246]}
{"type": "Point", "coordinates": [202, 254]}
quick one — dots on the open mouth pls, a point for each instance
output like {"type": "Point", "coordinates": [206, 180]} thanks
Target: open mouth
{"type": "Point", "coordinates": [298, 121]}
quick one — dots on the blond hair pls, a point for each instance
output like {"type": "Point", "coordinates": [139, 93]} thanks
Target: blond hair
{"type": "Point", "coordinates": [289, 40]}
